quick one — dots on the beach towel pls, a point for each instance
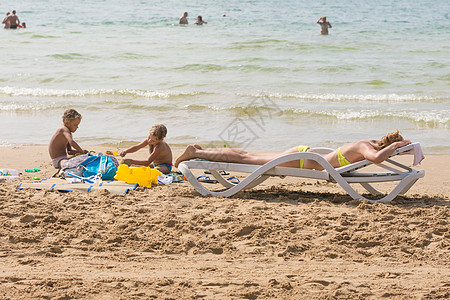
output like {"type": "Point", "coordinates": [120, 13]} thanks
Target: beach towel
{"type": "Point", "coordinates": [90, 164]}
{"type": "Point", "coordinates": [62, 185]}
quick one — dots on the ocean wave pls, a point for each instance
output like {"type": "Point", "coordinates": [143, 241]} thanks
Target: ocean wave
{"type": "Point", "coordinates": [40, 92]}
{"type": "Point", "coordinates": [431, 119]}
{"type": "Point", "coordinates": [30, 106]}
{"type": "Point", "coordinates": [295, 46]}
{"type": "Point", "coordinates": [258, 43]}
{"type": "Point", "coordinates": [197, 107]}
{"type": "Point", "coordinates": [272, 43]}
{"type": "Point", "coordinates": [392, 98]}
{"type": "Point", "coordinates": [201, 67]}
{"type": "Point", "coordinates": [239, 67]}
{"type": "Point", "coordinates": [5, 144]}
{"type": "Point", "coordinates": [68, 56]}
{"type": "Point", "coordinates": [434, 119]}
{"type": "Point", "coordinates": [40, 36]}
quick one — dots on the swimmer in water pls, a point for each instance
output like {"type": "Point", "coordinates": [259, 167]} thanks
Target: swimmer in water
{"type": "Point", "coordinates": [324, 25]}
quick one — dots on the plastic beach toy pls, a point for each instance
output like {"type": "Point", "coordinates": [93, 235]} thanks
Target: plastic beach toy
{"type": "Point", "coordinates": [9, 174]}
{"type": "Point", "coordinates": [144, 176]}
{"type": "Point", "coordinates": [165, 179]}
{"type": "Point", "coordinates": [176, 176]}
{"type": "Point", "coordinates": [32, 170]}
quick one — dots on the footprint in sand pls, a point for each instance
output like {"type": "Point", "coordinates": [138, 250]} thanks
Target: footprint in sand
{"type": "Point", "coordinates": [27, 219]}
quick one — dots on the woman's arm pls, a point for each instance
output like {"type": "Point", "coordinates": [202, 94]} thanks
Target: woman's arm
{"type": "Point", "coordinates": [381, 155]}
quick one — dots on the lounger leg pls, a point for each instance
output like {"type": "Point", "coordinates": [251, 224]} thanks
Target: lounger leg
{"type": "Point", "coordinates": [355, 195]}
{"type": "Point", "coordinates": [193, 181]}
{"type": "Point", "coordinates": [408, 186]}
{"type": "Point", "coordinates": [257, 182]}
{"type": "Point", "coordinates": [402, 187]}
{"type": "Point", "coordinates": [229, 184]}
{"type": "Point", "coordinates": [250, 181]}
{"type": "Point", "coordinates": [371, 189]}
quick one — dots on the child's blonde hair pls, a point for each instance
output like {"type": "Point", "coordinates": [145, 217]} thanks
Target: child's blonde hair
{"type": "Point", "coordinates": [159, 131]}
{"type": "Point", "coordinates": [71, 114]}
{"type": "Point", "coordinates": [389, 139]}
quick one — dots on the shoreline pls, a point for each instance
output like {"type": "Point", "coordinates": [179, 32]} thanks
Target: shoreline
{"type": "Point", "coordinates": [178, 146]}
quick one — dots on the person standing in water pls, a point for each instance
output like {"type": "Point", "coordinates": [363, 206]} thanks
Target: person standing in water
{"type": "Point", "coordinates": [200, 21]}
{"type": "Point", "coordinates": [324, 25]}
{"type": "Point", "coordinates": [13, 20]}
{"type": "Point", "coordinates": [183, 19]}
{"type": "Point", "coordinates": [5, 20]}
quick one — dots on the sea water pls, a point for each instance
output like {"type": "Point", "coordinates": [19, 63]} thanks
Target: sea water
{"type": "Point", "coordinates": [259, 78]}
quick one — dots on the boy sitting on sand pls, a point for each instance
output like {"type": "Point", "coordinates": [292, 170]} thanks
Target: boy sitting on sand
{"type": "Point", "coordinates": [160, 152]}
{"type": "Point", "coordinates": [62, 142]}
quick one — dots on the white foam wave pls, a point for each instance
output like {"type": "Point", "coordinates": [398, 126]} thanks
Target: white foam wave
{"type": "Point", "coordinates": [40, 92]}
{"type": "Point", "coordinates": [437, 118]}
{"type": "Point", "coordinates": [349, 98]}
{"type": "Point", "coordinates": [28, 106]}
{"type": "Point", "coordinates": [5, 144]}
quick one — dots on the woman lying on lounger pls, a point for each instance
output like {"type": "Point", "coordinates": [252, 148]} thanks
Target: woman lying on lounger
{"type": "Point", "coordinates": [373, 150]}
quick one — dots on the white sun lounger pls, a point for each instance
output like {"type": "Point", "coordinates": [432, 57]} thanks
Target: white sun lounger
{"type": "Point", "coordinates": [343, 176]}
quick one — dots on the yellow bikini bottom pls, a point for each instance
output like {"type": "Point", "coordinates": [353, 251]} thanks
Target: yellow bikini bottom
{"type": "Point", "coordinates": [342, 160]}
{"type": "Point", "coordinates": [302, 148]}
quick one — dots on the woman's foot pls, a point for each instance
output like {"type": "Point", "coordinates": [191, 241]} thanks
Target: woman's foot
{"type": "Point", "coordinates": [188, 153]}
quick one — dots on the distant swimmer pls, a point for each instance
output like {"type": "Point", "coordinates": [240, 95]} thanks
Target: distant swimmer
{"type": "Point", "coordinates": [183, 19]}
{"type": "Point", "coordinates": [5, 20]}
{"type": "Point", "coordinates": [324, 25]}
{"type": "Point", "coordinates": [200, 21]}
{"type": "Point", "coordinates": [13, 20]}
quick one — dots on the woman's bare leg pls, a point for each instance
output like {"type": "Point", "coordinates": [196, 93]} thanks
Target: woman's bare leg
{"type": "Point", "coordinates": [232, 156]}
{"type": "Point", "coordinates": [218, 154]}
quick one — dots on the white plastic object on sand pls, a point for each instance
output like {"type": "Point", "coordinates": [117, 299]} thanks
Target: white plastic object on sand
{"type": "Point", "coordinates": [163, 179]}
{"type": "Point", "coordinates": [9, 174]}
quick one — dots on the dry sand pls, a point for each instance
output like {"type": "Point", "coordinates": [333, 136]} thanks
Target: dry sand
{"type": "Point", "coordinates": [286, 239]}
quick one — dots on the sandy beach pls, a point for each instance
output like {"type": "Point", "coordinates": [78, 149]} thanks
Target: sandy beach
{"type": "Point", "coordinates": [258, 76]}
{"type": "Point", "coordinates": [286, 239]}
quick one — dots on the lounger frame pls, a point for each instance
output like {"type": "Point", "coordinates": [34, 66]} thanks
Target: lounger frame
{"type": "Point", "coordinates": [343, 176]}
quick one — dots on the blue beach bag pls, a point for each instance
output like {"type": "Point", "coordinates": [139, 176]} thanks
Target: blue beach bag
{"type": "Point", "coordinates": [103, 165]}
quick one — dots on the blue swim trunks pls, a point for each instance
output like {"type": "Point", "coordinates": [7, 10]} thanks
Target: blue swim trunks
{"type": "Point", "coordinates": [169, 166]}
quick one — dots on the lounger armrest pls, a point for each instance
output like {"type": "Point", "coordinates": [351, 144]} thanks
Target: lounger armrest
{"type": "Point", "coordinates": [408, 149]}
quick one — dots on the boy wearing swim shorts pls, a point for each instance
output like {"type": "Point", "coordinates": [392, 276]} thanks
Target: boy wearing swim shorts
{"type": "Point", "coordinates": [160, 153]}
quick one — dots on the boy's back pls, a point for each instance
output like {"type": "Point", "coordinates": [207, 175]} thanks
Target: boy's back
{"type": "Point", "coordinates": [58, 142]}
{"type": "Point", "coordinates": [163, 153]}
